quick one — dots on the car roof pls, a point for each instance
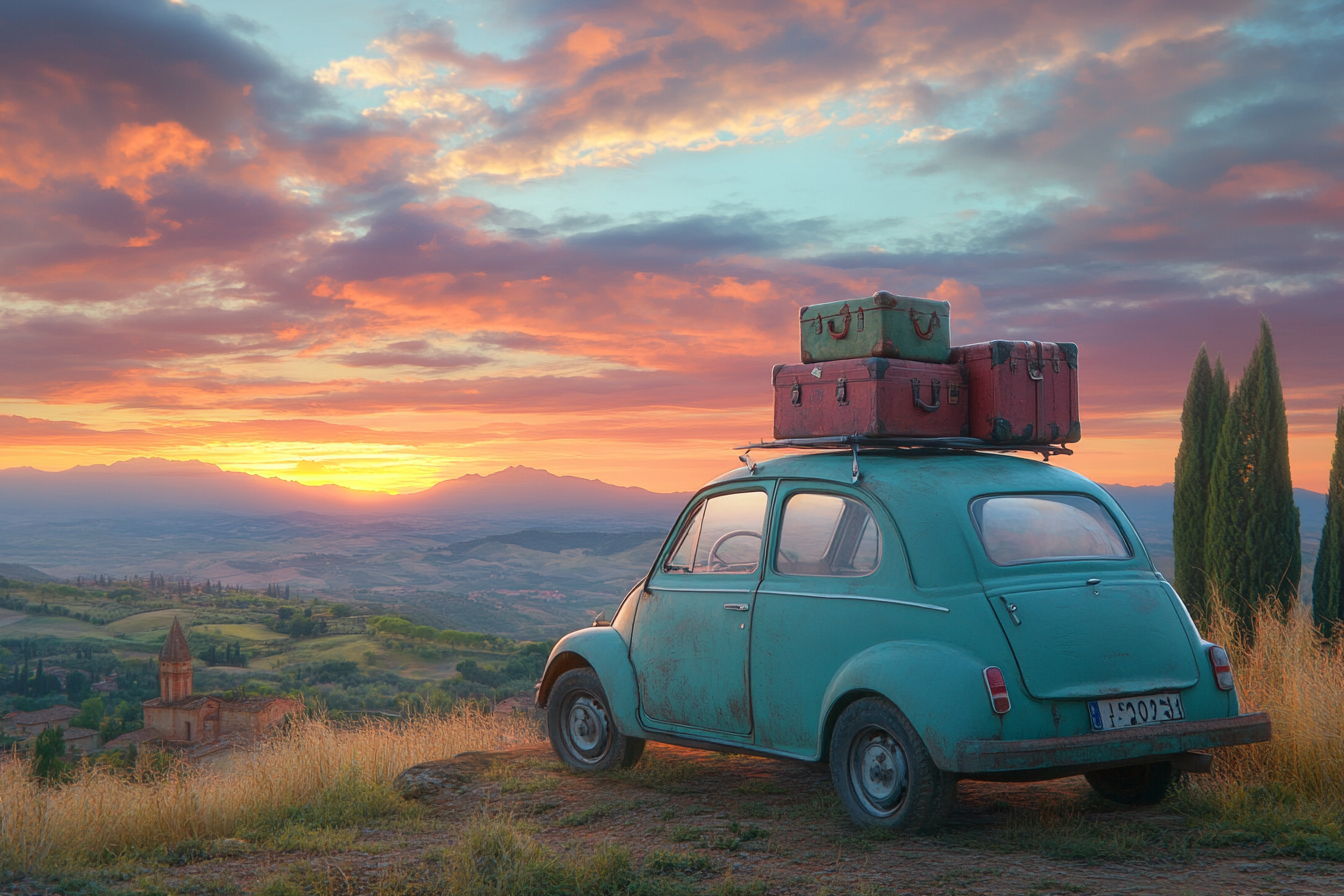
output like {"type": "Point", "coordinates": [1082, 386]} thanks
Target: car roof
{"type": "Point", "coordinates": [971, 473]}
{"type": "Point", "coordinates": [928, 492]}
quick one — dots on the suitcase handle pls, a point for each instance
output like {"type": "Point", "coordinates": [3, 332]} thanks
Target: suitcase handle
{"type": "Point", "coordinates": [934, 321]}
{"type": "Point", "coordinates": [830, 324]}
{"type": "Point", "coordinates": [935, 386]}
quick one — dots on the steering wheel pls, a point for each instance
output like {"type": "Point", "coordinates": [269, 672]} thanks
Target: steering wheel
{"type": "Point", "coordinates": [718, 564]}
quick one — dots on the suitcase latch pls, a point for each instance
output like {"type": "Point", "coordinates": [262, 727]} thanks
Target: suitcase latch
{"type": "Point", "coordinates": [796, 394]}
{"type": "Point", "coordinates": [841, 391]}
{"type": "Point", "coordinates": [1034, 370]}
{"type": "Point", "coordinates": [953, 392]}
{"type": "Point", "coordinates": [1055, 360]}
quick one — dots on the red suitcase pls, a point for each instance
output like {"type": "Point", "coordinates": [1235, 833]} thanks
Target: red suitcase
{"type": "Point", "coordinates": [877, 397]}
{"type": "Point", "coordinates": [1022, 393]}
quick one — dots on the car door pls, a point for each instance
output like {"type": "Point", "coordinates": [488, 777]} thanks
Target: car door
{"type": "Point", "coordinates": [835, 583]}
{"type": "Point", "coordinates": [692, 634]}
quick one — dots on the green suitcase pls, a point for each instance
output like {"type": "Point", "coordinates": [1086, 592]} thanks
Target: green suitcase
{"type": "Point", "coordinates": [880, 326]}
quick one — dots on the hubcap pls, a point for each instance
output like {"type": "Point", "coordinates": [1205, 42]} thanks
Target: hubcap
{"type": "Point", "coordinates": [877, 770]}
{"type": "Point", "coordinates": [586, 725]}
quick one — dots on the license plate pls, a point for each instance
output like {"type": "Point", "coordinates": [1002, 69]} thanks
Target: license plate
{"type": "Point", "coordinates": [1131, 712]}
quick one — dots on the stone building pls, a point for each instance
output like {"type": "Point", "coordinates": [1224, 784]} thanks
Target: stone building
{"type": "Point", "coordinates": [178, 715]}
{"type": "Point", "coordinates": [26, 724]}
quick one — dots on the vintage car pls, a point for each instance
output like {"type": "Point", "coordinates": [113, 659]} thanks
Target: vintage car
{"type": "Point", "coordinates": [912, 618]}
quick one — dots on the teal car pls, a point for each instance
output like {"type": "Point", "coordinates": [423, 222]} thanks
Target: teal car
{"type": "Point", "coordinates": [911, 618]}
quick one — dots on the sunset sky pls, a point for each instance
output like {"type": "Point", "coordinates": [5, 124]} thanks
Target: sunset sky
{"type": "Point", "coordinates": [381, 245]}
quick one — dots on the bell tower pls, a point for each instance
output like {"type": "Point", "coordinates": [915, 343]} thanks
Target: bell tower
{"type": "Point", "coordinates": [175, 666]}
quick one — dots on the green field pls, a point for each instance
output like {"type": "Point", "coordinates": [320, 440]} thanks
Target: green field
{"type": "Point", "coordinates": [241, 631]}
{"type": "Point", "coordinates": [155, 620]}
{"type": "Point", "coordinates": [20, 625]}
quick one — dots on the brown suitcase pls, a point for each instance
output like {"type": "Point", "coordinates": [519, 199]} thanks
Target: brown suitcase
{"type": "Point", "coordinates": [873, 397]}
{"type": "Point", "coordinates": [1022, 393]}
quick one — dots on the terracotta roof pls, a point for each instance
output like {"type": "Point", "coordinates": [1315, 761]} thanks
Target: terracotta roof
{"type": "Point", "coordinates": [77, 733]}
{"type": "Point", "coordinates": [175, 649]}
{"type": "Point", "coordinates": [194, 702]}
{"type": "Point", "coordinates": [54, 714]}
{"type": "Point", "coordinates": [255, 704]}
{"type": "Point", "coordinates": [140, 736]}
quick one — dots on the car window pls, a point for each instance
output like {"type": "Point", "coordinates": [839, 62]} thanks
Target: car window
{"type": "Point", "coordinates": [722, 535]}
{"type": "Point", "coordinates": [1026, 528]}
{"type": "Point", "coordinates": [827, 535]}
{"type": "Point", "coordinates": [680, 558]}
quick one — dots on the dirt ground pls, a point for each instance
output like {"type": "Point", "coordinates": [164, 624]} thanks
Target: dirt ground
{"type": "Point", "coordinates": [778, 823]}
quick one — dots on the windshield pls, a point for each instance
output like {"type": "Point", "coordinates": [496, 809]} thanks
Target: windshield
{"type": "Point", "coordinates": [1030, 528]}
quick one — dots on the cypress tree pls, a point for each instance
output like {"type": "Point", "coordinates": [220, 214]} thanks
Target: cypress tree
{"type": "Point", "coordinates": [1193, 462]}
{"type": "Point", "coordinates": [1254, 549]}
{"type": "Point", "coordinates": [1327, 584]}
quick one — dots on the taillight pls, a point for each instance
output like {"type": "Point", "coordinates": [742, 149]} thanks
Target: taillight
{"type": "Point", "coordinates": [998, 690]}
{"type": "Point", "coordinates": [1222, 667]}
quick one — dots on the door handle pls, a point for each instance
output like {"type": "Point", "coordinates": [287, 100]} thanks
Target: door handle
{"type": "Point", "coordinates": [1012, 610]}
{"type": "Point", "coordinates": [741, 608]}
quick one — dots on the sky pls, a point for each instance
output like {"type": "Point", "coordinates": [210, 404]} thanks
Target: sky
{"type": "Point", "coordinates": [381, 245]}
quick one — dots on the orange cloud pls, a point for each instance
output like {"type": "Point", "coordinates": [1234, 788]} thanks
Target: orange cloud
{"type": "Point", "coordinates": [136, 153]}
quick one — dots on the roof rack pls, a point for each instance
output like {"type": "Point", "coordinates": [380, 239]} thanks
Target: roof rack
{"type": "Point", "coordinates": [855, 442]}
{"type": "Point", "coordinates": [953, 444]}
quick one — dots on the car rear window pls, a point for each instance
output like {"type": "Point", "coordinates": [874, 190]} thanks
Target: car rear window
{"type": "Point", "coordinates": [1032, 528]}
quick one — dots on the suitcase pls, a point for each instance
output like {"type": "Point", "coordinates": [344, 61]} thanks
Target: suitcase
{"type": "Point", "coordinates": [871, 397]}
{"type": "Point", "coordinates": [1022, 393]}
{"type": "Point", "coordinates": [880, 326]}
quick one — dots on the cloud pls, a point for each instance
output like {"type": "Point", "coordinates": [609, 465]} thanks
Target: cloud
{"type": "Point", "coordinates": [191, 231]}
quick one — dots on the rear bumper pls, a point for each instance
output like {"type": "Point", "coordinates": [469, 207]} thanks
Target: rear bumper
{"type": "Point", "coordinates": [1110, 748]}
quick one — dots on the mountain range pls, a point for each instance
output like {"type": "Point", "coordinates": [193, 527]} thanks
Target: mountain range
{"type": "Point", "coordinates": [520, 531]}
{"type": "Point", "coordinates": [149, 486]}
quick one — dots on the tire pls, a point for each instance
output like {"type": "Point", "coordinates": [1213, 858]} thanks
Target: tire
{"type": "Point", "coordinates": [1134, 785]}
{"type": "Point", "coordinates": [582, 731]}
{"type": "Point", "coordinates": [883, 772]}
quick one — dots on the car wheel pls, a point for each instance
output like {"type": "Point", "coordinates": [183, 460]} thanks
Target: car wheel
{"type": "Point", "coordinates": [883, 772]}
{"type": "Point", "coordinates": [582, 731]}
{"type": "Point", "coordinates": [1133, 785]}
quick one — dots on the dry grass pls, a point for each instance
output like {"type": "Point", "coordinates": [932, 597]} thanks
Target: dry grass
{"type": "Point", "coordinates": [1297, 676]}
{"type": "Point", "coordinates": [101, 814]}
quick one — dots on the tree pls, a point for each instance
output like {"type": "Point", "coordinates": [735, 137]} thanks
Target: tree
{"type": "Point", "coordinates": [48, 749]}
{"type": "Point", "coordinates": [1254, 550]}
{"type": "Point", "coordinates": [1327, 584]}
{"type": "Point", "coordinates": [1206, 399]}
{"type": "Point", "coordinates": [90, 714]}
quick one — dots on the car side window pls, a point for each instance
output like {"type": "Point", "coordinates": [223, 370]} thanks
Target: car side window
{"type": "Point", "coordinates": [680, 558]}
{"type": "Point", "coordinates": [723, 535]}
{"type": "Point", "coordinates": [827, 535]}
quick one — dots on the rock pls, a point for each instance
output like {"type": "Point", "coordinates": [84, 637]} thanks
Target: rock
{"type": "Point", "coordinates": [445, 776]}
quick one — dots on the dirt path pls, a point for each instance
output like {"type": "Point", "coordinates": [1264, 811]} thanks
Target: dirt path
{"type": "Point", "coordinates": [779, 823]}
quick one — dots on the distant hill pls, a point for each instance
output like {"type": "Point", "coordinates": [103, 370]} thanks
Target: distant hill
{"type": "Point", "coordinates": [24, 573]}
{"type": "Point", "coordinates": [162, 488]}
{"type": "Point", "coordinates": [1149, 507]}
{"type": "Point", "coordinates": [600, 544]}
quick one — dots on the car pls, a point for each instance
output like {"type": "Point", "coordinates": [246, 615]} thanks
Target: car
{"type": "Point", "coordinates": [911, 617]}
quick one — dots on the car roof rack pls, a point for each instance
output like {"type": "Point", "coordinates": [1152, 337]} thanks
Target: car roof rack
{"type": "Point", "coordinates": [913, 445]}
{"type": "Point", "coordinates": [946, 444]}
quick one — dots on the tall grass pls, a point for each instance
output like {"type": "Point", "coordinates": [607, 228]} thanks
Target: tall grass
{"type": "Point", "coordinates": [102, 813]}
{"type": "Point", "coordinates": [1285, 667]}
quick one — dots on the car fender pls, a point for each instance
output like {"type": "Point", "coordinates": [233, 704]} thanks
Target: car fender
{"type": "Point", "coordinates": [603, 650]}
{"type": "Point", "coordinates": [939, 688]}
